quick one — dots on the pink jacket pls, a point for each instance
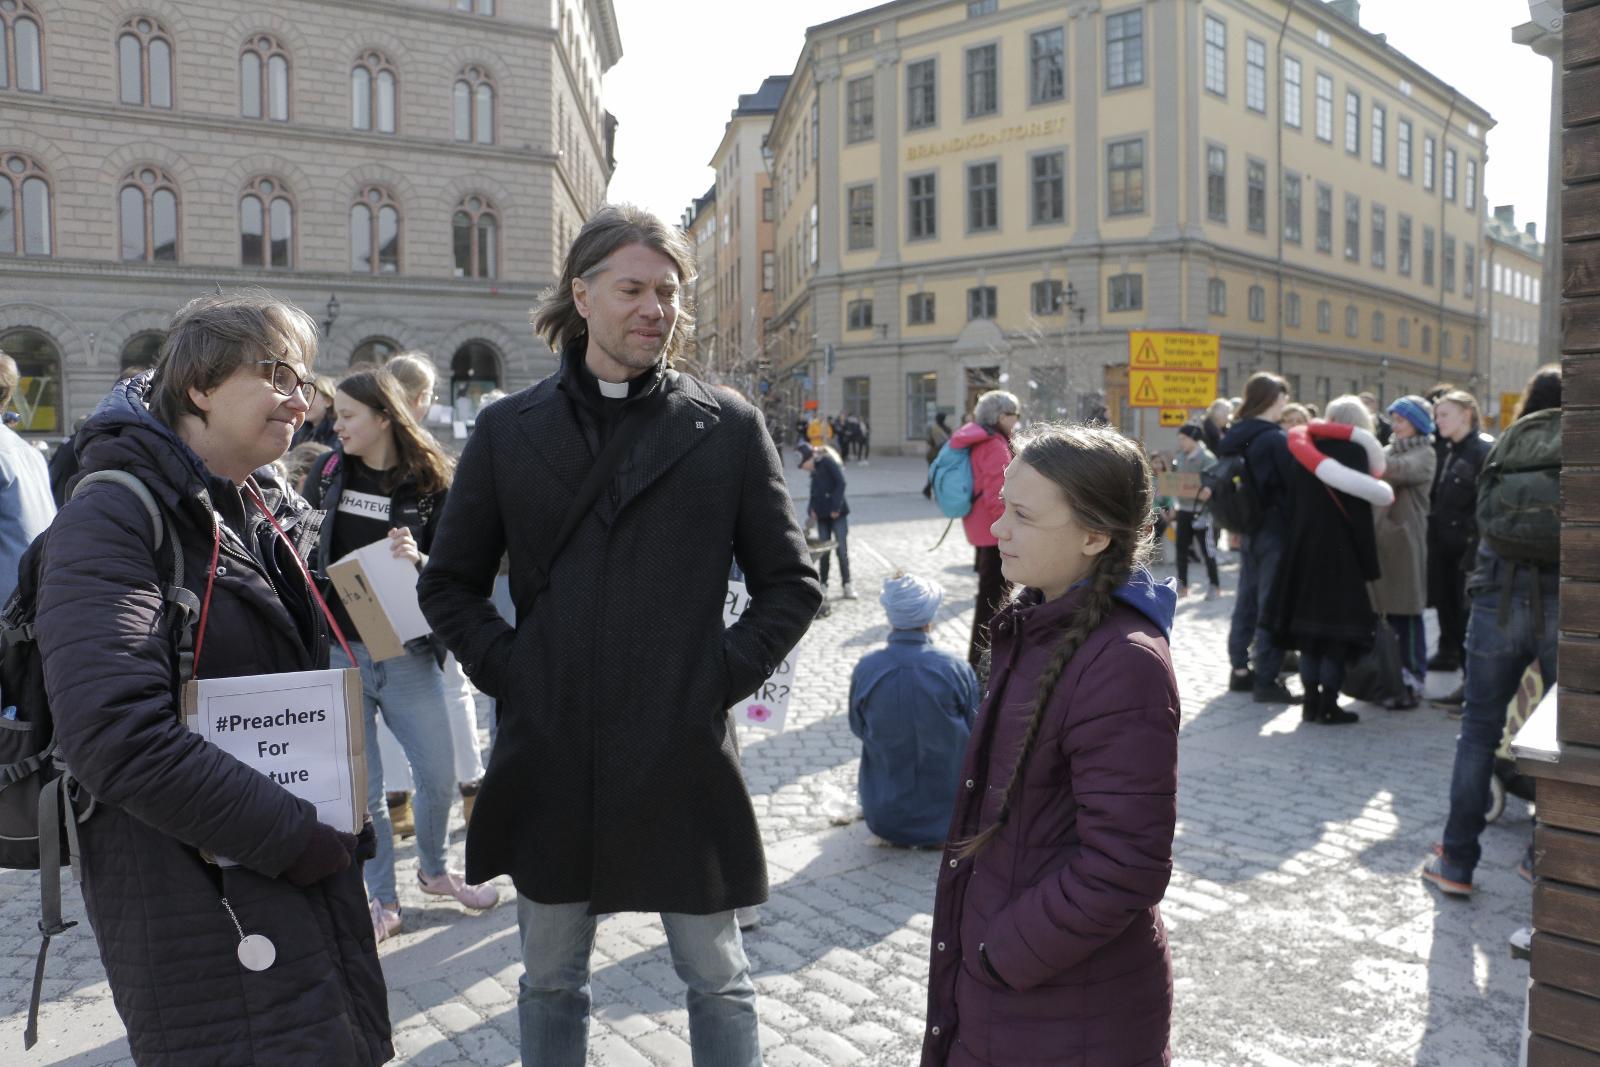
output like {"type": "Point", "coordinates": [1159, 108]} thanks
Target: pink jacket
{"type": "Point", "coordinates": [991, 451]}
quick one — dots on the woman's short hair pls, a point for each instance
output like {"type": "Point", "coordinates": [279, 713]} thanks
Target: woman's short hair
{"type": "Point", "coordinates": [1462, 399]}
{"type": "Point", "coordinates": [1351, 411]}
{"type": "Point", "coordinates": [414, 371]}
{"type": "Point", "coordinates": [992, 405]}
{"type": "Point", "coordinates": [212, 336]}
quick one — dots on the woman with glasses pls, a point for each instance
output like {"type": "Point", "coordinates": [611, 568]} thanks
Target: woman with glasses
{"type": "Point", "coordinates": [269, 960]}
{"type": "Point", "coordinates": [387, 480]}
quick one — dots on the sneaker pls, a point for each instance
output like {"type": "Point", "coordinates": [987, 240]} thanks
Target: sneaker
{"type": "Point", "coordinates": [849, 592]}
{"type": "Point", "coordinates": [1274, 692]}
{"type": "Point", "coordinates": [1520, 942]}
{"type": "Point", "coordinates": [385, 920]}
{"type": "Point", "coordinates": [1241, 680]}
{"type": "Point", "coordinates": [1433, 871]}
{"type": "Point", "coordinates": [748, 918]}
{"type": "Point", "coordinates": [1455, 698]}
{"type": "Point", "coordinates": [451, 884]}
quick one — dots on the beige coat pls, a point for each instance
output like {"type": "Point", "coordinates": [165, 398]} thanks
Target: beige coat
{"type": "Point", "coordinates": [1402, 528]}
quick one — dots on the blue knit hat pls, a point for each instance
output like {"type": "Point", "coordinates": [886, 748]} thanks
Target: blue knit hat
{"type": "Point", "coordinates": [1415, 410]}
{"type": "Point", "coordinates": [910, 601]}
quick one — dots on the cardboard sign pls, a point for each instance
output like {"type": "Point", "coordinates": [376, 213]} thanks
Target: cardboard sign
{"type": "Point", "coordinates": [1183, 485]}
{"type": "Point", "coordinates": [379, 592]}
{"type": "Point", "coordinates": [303, 730]}
{"type": "Point", "coordinates": [768, 706]}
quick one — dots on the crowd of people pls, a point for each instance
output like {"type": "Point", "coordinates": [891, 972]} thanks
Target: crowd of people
{"type": "Point", "coordinates": [573, 566]}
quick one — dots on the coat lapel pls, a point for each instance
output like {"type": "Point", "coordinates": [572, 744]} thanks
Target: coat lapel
{"type": "Point", "coordinates": [550, 430]}
{"type": "Point", "coordinates": [687, 417]}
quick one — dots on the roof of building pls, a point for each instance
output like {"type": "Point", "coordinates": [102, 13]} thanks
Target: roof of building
{"type": "Point", "coordinates": [765, 100]}
{"type": "Point", "coordinates": [1502, 227]}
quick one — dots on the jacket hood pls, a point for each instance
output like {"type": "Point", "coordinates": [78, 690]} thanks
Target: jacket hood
{"type": "Point", "coordinates": [969, 435]}
{"type": "Point", "coordinates": [1241, 435]}
{"type": "Point", "coordinates": [1155, 600]}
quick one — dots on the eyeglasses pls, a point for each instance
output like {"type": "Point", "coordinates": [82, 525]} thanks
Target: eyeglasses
{"type": "Point", "coordinates": [1012, 413]}
{"type": "Point", "coordinates": [287, 381]}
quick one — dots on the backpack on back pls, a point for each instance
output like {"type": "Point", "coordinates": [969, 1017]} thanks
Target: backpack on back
{"type": "Point", "coordinates": [1519, 491]}
{"type": "Point", "coordinates": [1233, 503]}
{"type": "Point", "coordinates": [951, 475]}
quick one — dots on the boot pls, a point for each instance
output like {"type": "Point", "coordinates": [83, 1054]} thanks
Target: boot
{"type": "Point", "coordinates": [1332, 713]}
{"type": "Point", "coordinates": [469, 798]}
{"type": "Point", "coordinates": [400, 814]}
{"type": "Point", "coordinates": [1311, 708]}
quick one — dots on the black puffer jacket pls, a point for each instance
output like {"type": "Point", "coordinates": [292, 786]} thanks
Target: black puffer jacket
{"type": "Point", "coordinates": [1453, 519]}
{"type": "Point", "coordinates": [167, 943]}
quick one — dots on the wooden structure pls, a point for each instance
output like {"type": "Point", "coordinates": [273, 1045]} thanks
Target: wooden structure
{"type": "Point", "coordinates": [1564, 1002]}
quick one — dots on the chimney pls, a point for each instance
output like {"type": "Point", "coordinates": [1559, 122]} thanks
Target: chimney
{"type": "Point", "coordinates": [1532, 231]}
{"type": "Point", "coordinates": [1506, 214]}
{"type": "Point", "coordinates": [1347, 9]}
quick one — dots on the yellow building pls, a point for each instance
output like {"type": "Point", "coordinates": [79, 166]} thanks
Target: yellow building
{"type": "Point", "coordinates": [700, 226]}
{"type": "Point", "coordinates": [976, 192]}
{"type": "Point", "coordinates": [1512, 284]}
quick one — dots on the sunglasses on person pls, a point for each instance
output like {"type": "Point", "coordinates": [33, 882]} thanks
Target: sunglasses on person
{"type": "Point", "coordinates": [287, 381]}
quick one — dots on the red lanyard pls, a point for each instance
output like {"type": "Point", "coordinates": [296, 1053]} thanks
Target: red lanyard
{"type": "Point", "coordinates": [211, 577]}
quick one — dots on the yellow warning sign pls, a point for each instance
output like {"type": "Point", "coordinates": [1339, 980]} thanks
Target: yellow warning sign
{"type": "Point", "coordinates": [1173, 350]}
{"type": "Point", "coordinates": [1174, 416]}
{"type": "Point", "coordinates": [1171, 389]}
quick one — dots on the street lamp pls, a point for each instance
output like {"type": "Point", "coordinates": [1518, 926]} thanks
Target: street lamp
{"type": "Point", "coordinates": [332, 316]}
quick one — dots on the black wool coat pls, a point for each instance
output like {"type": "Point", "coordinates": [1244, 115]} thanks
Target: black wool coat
{"type": "Point", "coordinates": [164, 794]}
{"type": "Point", "coordinates": [614, 778]}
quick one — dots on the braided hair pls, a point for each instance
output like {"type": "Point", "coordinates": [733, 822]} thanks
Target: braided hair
{"type": "Point", "coordinates": [1105, 479]}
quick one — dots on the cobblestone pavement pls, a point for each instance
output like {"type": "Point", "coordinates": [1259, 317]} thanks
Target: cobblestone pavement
{"type": "Point", "coordinates": [1301, 934]}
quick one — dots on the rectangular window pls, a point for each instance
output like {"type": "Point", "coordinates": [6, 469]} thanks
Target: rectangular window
{"type": "Point", "coordinates": [981, 7]}
{"type": "Point", "coordinates": [1380, 236]}
{"type": "Point", "coordinates": [922, 207]}
{"type": "Point", "coordinates": [861, 233]}
{"type": "Point", "coordinates": [858, 107]}
{"type": "Point", "coordinates": [1216, 56]}
{"type": "Point", "coordinates": [922, 108]}
{"type": "Point", "coordinates": [1125, 49]}
{"type": "Point", "coordinates": [1468, 269]}
{"type": "Point", "coordinates": [1291, 310]}
{"type": "Point", "coordinates": [858, 41]}
{"type": "Point", "coordinates": [1258, 304]}
{"type": "Point", "coordinates": [983, 85]}
{"type": "Point", "coordinates": [1450, 174]}
{"type": "Point", "coordinates": [1402, 331]}
{"type": "Point", "coordinates": [1472, 185]}
{"type": "Point", "coordinates": [1402, 148]}
{"type": "Point", "coordinates": [769, 267]}
{"type": "Point", "coordinates": [922, 403]}
{"type": "Point", "coordinates": [1377, 326]}
{"type": "Point", "coordinates": [1255, 201]}
{"type": "Point", "coordinates": [1427, 339]}
{"type": "Point", "coordinates": [859, 315]}
{"type": "Point", "coordinates": [981, 302]}
{"type": "Point", "coordinates": [1125, 177]}
{"type": "Point", "coordinates": [1291, 92]}
{"type": "Point", "coordinates": [1499, 279]}
{"type": "Point", "coordinates": [1324, 108]}
{"type": "Point", "coordinates": [1447, 263]}
{"type": "Point", "coordinates": [1324, 218]}
{"type": "Point", "coordinates": [1216, 183]}
{"type": "Point", "coordinates": [1291, 208]}
{"type": "Point", "coordinates": [1428, 149]}
{"type": "Point", "coordinates": [1380, 133]}
{"type": "Point", "coordinates": [1046, 297]}
{"type": "Point", "coordinates": [1255, 75]}
{"type": "Point", "coordinates": [1403, 250]}
{"type": "Point", "coordinates": [1352, 227]}
{"type": "Point", "coordinates": [811, 235]}
{"type": "Point", "coordinates": [1217, 296]}
{"type": "Point", "coordinates": [983, 196]}
{"type": "Point", "coordinates": [919, 309]}
{"type": "Point", "coordinates": [1324, 316]}
{"type": "Point", "coordinates": [767, 205]}
{"type": "Point", "coordinates": [1049, 187]}
{"type": "Point", "coordinates": [1352, 321]}
{"type": "Point", "coordinates": [1352, 122]}
{"type": "Point", "coordinates": [1127, 292]}
{"type": "Point", "coordinates": [1427, 256]}
{"type": "Point", "coordinates": [1047, 66]}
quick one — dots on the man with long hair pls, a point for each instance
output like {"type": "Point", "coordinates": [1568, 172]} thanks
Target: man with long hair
{"type": "Point", "coordinates": [614, 783]}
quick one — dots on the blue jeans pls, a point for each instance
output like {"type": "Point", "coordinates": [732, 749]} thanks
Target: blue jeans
{"type": "Point", "coordinates": [553, 994]}
{"type": "Point", "coordinates": [838, 531]}
{"type": "Point", "coordinates": [410, 691]}
{"type": "Point", "coordinates": [1258, 566]}
{"type": "Point", "coordinates": [1496, 656]}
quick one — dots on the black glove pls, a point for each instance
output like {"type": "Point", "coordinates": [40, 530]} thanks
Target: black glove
{"type": "Point", "coordinates": [366, 843]}
{"type": "Point", "coordinates": [327, 853]}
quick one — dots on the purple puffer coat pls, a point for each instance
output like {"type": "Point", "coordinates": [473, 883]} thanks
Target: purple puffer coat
{"type": "Point", "coordinates": [1075, 970]}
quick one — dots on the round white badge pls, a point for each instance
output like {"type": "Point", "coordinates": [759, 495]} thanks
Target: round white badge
{"type": "Point", "coordinates": [257, 953]}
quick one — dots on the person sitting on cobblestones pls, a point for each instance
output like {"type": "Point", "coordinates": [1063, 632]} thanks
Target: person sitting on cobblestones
{"type": "Point", "coordinates": [1048, 944]}
{"type": "Point", "coordinates": [988, 441]}
{"type": "Point", "coordinates": [829, 510]}
{"type": "Point", "coordinates": [912, 705]}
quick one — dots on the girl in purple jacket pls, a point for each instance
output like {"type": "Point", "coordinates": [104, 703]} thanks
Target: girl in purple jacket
{"type": "Point", "coordinates": [1048, 948]}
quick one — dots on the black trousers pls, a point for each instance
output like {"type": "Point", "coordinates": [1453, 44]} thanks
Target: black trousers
{"type": "Point", "coordinates": [1447, 587]}
{"type": "Point", "coordinates": [993, 589]}
{"type": "Point", "coordinates": [1186, 537]}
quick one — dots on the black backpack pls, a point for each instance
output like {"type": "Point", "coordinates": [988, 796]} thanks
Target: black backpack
{"type": "Point", "coordinates": [1234, 503]}
{"type": "Point", "coordinates": [41, 804]}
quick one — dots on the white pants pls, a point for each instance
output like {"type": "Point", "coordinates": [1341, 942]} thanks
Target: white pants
{"type": "Point", "coordinates": [463, 714]}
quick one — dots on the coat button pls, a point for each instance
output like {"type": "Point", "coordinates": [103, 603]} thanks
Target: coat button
{"type": "Point", "coordinates": [934, 1031]}
{"type": "Point", "coordinates": [970, 783]}
{"type": "Point", "coordinates": [941, 946]}
{"type": "Point", "coordinates": [954, 862]}
{"type": "Point", "coordinates": [222, 570]}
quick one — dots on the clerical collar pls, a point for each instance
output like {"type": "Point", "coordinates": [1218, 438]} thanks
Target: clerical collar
{"type": "Point", "coordinates": [613, 390]}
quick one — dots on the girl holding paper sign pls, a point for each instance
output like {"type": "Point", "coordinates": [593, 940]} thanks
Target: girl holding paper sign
{"type": "Point", "coordinates": [182, 938]}
{"type": "Point", "coordinates": [388, 480]}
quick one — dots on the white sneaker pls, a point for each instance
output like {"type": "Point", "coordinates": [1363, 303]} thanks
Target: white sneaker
{"type": "Point", "coordinates": [385, 920]}
{"type": "Point", "coordinates": [849, 592]}
{"type": "Point", "coordinates": [451, 884]}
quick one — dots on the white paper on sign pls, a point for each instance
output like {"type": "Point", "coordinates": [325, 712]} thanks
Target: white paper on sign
{"type": "Point", "coordinates": [768, 707]}
{"type": "Point", "coordinates": [394, 583]}
{"type": "Point", "coordinates": [293, 728]}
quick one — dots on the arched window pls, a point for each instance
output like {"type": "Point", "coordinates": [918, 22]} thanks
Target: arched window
{"type": "Point", "coordinates": [372, 93]}
{"type": "Point", "coordinates": [144, 63]}
{"type": "Point", "coordinates": [374, 351]}
{"type": "Point", "coordinates": [38, 395]}
{"type": "Point", "coordinates": [149, 207]}
{"type": "Point", "coordinates": [476, 229]}
{"type": "Point", "coordinates": [264, 80]}
{"type": "Point", "coordinates": [24, 207]}
{"type": "Point", "coordinates": [21, 61]}
{"type": "Point", "coordinates": [266, 225]}
{"type": "Point", "coordinates": [474, 106]}
{"type": "Point", "coordinates": [375, 232]}
{"type": "Point", "coordinates": [474, 370]}
{"type": "Point", "coordinates": [141, 350]}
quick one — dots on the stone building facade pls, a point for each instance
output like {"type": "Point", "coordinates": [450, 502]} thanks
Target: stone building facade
{"type": "Point", "coordinates": [410, 170]}
{"type": "Point", "coordinates": [1513, 288]}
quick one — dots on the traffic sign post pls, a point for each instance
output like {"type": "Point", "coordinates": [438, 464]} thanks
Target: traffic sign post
{"type": "Point", "coordinates": [1172, 370]}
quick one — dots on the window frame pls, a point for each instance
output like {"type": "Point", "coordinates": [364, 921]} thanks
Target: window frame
{"type": "Point", "coordinates": [931, 89]}
{"type": "Point", "coordinates": [1378, 125]}
{"type": "Point", "coordinates": [1293, 92]}
{"type": "Point", "coordinates": [981, 298]}
{"type": "Point", "coordinates": [860, 112]}
{"type": "Point", "coordinates": [1034, 181]}
{"type": "Point", "coordinates": [1403, 247]}
{"type": "Point", "coordinates": [917, 302]}
{"type": "Point", "coordinates": [376, 64]}
{"type": "Point", "coordinates": [858, 314]}
{"type": "Point", "coordinates": [1054, 292]}
{"type": "Point", "coordinates": [1035, 98]}
{"type": "Point", "coordinates": [1352, 122]}
{"type": "Point", "coordinates": [263, 48]}
{"type": "Point", "coordinates": [10, 69]}
{"type": "Point", "coordinates": [1132, 292]}
{"type": "Point", "coordinates": [1214, 59]}
{"type": "Point", "coordinates": [1256, 299]}
{"type": "Point", "coordinates": [913, 199]}
{"type": "Point", "coordinates": [267, 199]}
{"type": "Point", "coordinates": [1430, 156]}
{"type": "Point", "coordinates": [994, 192]}
{"type": "Point", "coordinates": [1111, 172]}
{"type": "Point", "coordinates": [160, 182]}
{"type": "Point", "coordinates": [1324, 218]}
{"type": "Point", "coordinates": [375, 208]}
{"type": "Point", "coordinates": [1255, 76]}
{"type": "Point", "coordinates": [1255, 195]}
{"type": "Point", "coordinates": [1403, 146]}
{"type": "Point", "coordinates": [1291, 309]}
{"type": "Point", "coordinates": [1449, 174]}
{"type": "Point", "coordinates": [1352, 228]}
{"type": "Point", "coordinates": [475, 77]}
{"type": "Point", "coordinates": [1378, 234]}
{"type": "Point", "coordinates": [134, 28]}
{"type": "Point", "coordinates": [31, 170]}
{"type": "Point", "coordinates": [1216, 183]}
{"type": "Point", "coordinates": [853, 242]}
{"type": "Point", "coordinates": [1119, 69]}
{"type": "Point", "coordinates": [1323, 128]}
{"type": "Point", "coordinates": [969, 73]}
{"type": "Point", "coordinates": [1216, 296]}
{"type": "Point", "coordinates": [1293, 180]}
{"type": "Point", "coordinates": [475, 255]}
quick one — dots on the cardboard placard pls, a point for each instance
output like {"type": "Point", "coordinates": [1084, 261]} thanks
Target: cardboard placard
{"type": "Point", "coordinates": [768, 706]}
{"type": "Point", "coordinates": [379, 593]}
{"type": "Point", "coordinates": [304, 730]}
{"type": "Point", "coordinates": [1184, 485]}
